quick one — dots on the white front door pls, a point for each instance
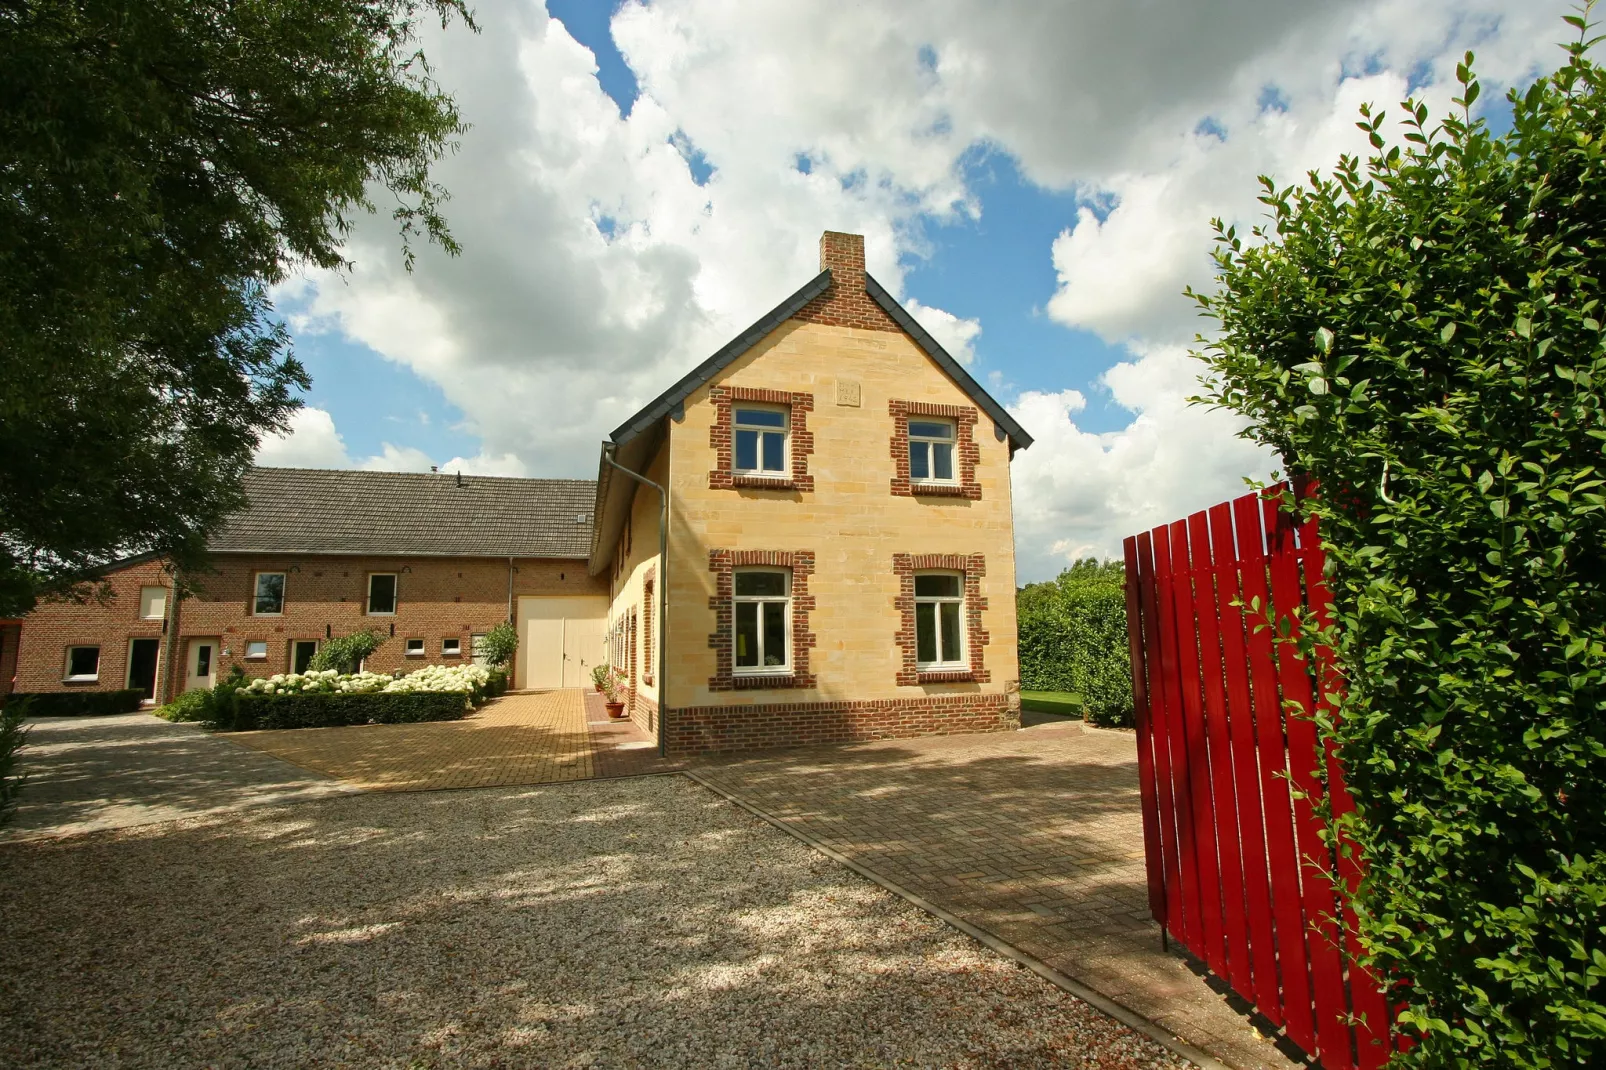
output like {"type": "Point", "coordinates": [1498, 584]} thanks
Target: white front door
{"type": "Point", "coordinates": [559, 640]}
{"type": "Point", "coordinates": [202, 663]}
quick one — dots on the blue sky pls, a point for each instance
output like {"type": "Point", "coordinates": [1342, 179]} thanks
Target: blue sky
{"type": "Point", "coordinates": [642, 180]}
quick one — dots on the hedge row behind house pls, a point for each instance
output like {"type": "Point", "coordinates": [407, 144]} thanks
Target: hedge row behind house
{"type": "Point", "coordinates": [332, 709]}
{"type": "Point", "coordinates": [73, 703]}
{"type": "Point", "coordinates": [1073, 638]}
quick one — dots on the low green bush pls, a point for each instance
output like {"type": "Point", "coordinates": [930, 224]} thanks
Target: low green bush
{"type": "Point", "coordinates": [73, 703]}
{"type": "Point", "coordinates": [251, 710]}
{"type": "Point", "coordinates": [496, 686]}
{"type": "Point", "coordinates": [499, 644]}
{"type": "Point", "coordinates": [1073, 638]}
{"type": "Point", "coordinates": [12, 738]}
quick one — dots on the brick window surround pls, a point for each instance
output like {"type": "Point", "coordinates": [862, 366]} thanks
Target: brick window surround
{"type": "Point", "coordinates": [648, 586]}
{"type": "Point", "coordinates": [969, 454]}
{"type": "Point", "coordinates": [723, 439]}
{"type": "Point", "coordinates": [723, 563]}
{"type": "Point", "coordinates": [973, 567]}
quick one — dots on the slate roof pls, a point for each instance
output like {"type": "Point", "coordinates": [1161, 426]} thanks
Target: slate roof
{"type": "Point", "coordinates": [321, 511]}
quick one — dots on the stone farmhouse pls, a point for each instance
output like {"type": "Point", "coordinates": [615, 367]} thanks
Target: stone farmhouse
{"type": "Point", "coordinates": [809, 538]}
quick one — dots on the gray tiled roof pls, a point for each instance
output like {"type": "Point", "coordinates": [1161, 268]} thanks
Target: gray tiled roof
{"type": "Point", "coordinates": [319, 511]}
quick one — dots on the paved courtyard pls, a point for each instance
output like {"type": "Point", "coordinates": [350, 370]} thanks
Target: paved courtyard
{"type": "Point", "coordinates": [1034, 836]}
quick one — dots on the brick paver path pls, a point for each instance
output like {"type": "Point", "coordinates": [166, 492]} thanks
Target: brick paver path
{"type": "Point", "coordinates": [1034, 836]}
{"type": "Point", "coordinates": [530, 738]}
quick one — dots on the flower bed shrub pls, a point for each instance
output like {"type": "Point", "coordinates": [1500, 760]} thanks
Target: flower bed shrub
{"type": "Point", "coordinates": [329, 709]}
{"type": "Point", "coordinates": [73, 703]}
{"type": "Point", "coordinates": [12, 738]}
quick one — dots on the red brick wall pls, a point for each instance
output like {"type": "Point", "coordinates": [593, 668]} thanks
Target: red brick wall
{"type": "Point", "coordinates": [845, 302]}
{"type": "Point", "coordinates": [436, 598]}
{"type": "Point", "coordinates": [710, 729]}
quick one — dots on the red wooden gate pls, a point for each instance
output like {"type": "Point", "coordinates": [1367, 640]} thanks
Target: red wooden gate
{"type": "Point", "coordinates": [1230, 767]}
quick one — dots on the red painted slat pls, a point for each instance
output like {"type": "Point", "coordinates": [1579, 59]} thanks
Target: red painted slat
{"type": "Point", "coordinates": [1304, 759]}
{"type": "Point", "coordinates": [1191, 931]}
{"type": "Point", "coordinates": [1160, 709]}
{"type": "Point", "coordinates": [1294, 989]}
{"type": "Point", "coordinates": [1234, 923]}
{"type": "Point", "coordinates": [1140, 705]}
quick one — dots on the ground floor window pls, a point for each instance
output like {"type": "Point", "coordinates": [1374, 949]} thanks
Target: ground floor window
{"type": "Point", "coordinates": [939, 609]}
{"type": "Point", "coordinates": [763, 611]}
{"type": "Point", "coordinates": [451, 647]}
{"type": "Point", "coordinates": [83, 664]}
{"type": "Point", "coordinates": [415, 648]}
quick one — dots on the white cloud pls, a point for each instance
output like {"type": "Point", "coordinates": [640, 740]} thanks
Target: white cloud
{"type": "Point", "coordinates": [597, 270]}
{"type": "Point", "coordinates": [312, 441]}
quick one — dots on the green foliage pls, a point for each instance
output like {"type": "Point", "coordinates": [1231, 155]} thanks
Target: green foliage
{"type": "Point", "coordinates": [1073, 638]}
{"type": "Point", "coordinates": [496, 686]}
{"type": "Point", "coordinates": [1422, 335]}
{"type": "Point", "coordinates": [1065, 703]}
{"type": "Point", "coordinates": [217, 708]}
{"type": "Point", "coordinates": [330, 709]}
{"type": "Point", "coordinates": [162, 164]}
{"type": "Point", "coordinates": [73, 703]}
{"type": "Point", "coordinates": [188, 706]}
{"type": "Point", "coordinates": [12, 739]}
{"type": "Point", "coordinates": [345, 652]}
{"type": "Point", "coordinates": [600, 674]}
{"type": "Point", "coordinates": [500, 644]}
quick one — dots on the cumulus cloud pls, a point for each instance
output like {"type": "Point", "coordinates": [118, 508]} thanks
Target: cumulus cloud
{"type": "Point", "coordinates": [312, 441]}
{"type": "Point", "coordinates": [600, 264]}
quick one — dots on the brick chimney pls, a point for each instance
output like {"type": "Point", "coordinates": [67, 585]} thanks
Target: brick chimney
{"type": "Point", "coordinates": [844, 255]}
{"type": "Point", "coordinates": [845, 302]}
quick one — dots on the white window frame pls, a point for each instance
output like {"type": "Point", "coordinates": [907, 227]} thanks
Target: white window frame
{"type": "Point", "coordinates": [452, 646]}
{"type": "Point", "coordinates": [395, 595]}
{"type": "Point", "coordinates": [67, 675]}
{"type": "Point", "coordinates": [256, 654]}
{"type": "Point", "coordinates": [409, 652]}
{"type": "Point", "coordinates": [928, 443]}
{"type": "Point", "coordinates": [256, 593]}
{"type": "Point", "coordinates": [739, 600]}
{"type": "Point", "coordinates": [476, 648]}
{"type": "Point", "coordinates": [785, 431]}
{"type": "Point", "coordinates": [956, 660]}
{"type": "Point", "coordinates": [146, 598]}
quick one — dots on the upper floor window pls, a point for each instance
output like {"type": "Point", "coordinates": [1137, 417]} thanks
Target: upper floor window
{"type": "Point", "coordinates": [931, 451]}
{"type": "Point", "coordinates": [939, 606]}
{"type": "Point", "coordinates": [763, 613]}
{"type": "Point", "coordinates": [152, 603]}
{"type": "Point", "coordinates": [760, 441]}
{"type": "Point", "coordinates": [268, 600]}
{"type": "Point", "coordinates": [83, 664]}
{"type": "Point", "coordinates": [382, 593]}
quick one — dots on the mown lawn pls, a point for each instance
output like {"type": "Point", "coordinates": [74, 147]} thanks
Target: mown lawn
{"type": "Point", "coordinates": [1061, 702]}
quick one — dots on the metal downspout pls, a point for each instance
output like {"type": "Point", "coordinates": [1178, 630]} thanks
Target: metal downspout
{"type": "Point", "coordinates": [663, 597]}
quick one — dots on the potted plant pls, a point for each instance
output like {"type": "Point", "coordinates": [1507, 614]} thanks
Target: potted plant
{"type": "Point", "coordinates": [612, 685]}
{"type": "Point", "coordinates": [600, 674]}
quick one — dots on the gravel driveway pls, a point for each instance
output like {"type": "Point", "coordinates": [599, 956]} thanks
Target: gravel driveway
{"type": "Point", "coordinates": [639, 922]}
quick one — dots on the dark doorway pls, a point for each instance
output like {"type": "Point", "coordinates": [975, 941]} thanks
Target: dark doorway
{"type": "Point", "coordinates": [142, 655]}
{"type": "Point", "coordinates": [301, 652]}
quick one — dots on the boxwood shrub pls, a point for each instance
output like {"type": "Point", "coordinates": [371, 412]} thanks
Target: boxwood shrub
{"type": "Point", "coordinates": [73, 703]}
{"type": "Point", "coordinates": [1073, 638]}
{"type": "Point", "coordinates": [332, 709]}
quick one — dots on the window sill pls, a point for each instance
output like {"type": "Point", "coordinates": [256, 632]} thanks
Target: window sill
{"type": "Point", "coordinates": [80, 679]}
{"type": "Point", "coordinates": [414, 654]}
{"type": "Point", "coordinates": [381, 613]}
{"type": "Point", "coordinates": [945, 676]}
{"type": "Point", "coordinates": [758, 681]}
{"type": "Point", "coordinates": [937, 490]}
{"type": "Point", "coordinates": [752, 482]}
{"type": "Point", "coordinates": [261, 614]}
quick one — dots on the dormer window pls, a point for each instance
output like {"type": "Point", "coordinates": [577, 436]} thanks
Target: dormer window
{"type": "Point", "coordinates": [931, 451]}
{"type": "Point", "coordinates": [760, 439]}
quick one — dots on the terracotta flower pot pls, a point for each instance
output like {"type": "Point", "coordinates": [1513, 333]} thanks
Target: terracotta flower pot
{"type": "Point", "coordinates": [616, 710]}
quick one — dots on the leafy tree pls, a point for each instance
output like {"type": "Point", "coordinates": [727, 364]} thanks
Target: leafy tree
{"type": "Point", "coordinates": [162, 163]}
{"type": "Point", "coordinates": [500, 644]}
{"type": "Point", "coordinates": [1422, 336]}
{"type": "Point", "coordinates": [1073, 638]}
{"type": "Point", "coordinates": [344, 653]}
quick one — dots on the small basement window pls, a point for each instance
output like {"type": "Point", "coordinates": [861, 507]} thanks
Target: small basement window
{"type": "Point", "coordinates": [382, 593]}
{"type": "Point", "coordinates": [452, 647]}
{"type": "Point", "coordinates": [415, 648]}
{"type": "Point", "coordinates": [83, 664]}
{"type": "Point", "coordinates": [256, 650]}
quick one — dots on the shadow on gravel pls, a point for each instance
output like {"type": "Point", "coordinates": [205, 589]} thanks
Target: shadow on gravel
{"type": "Point", "coordinates": [627, 922]}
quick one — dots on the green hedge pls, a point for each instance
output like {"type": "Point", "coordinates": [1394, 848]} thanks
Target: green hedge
{"type": "Point", "coordinates": [1073, 638]}
{"type": "Point", "coordinates": [73, 703]}
{"type": "Point", "coordinates": [327, 710]}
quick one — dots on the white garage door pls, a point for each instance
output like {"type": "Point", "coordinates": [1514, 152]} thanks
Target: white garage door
{"type": "Point", "coordinates": [560, 639]}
